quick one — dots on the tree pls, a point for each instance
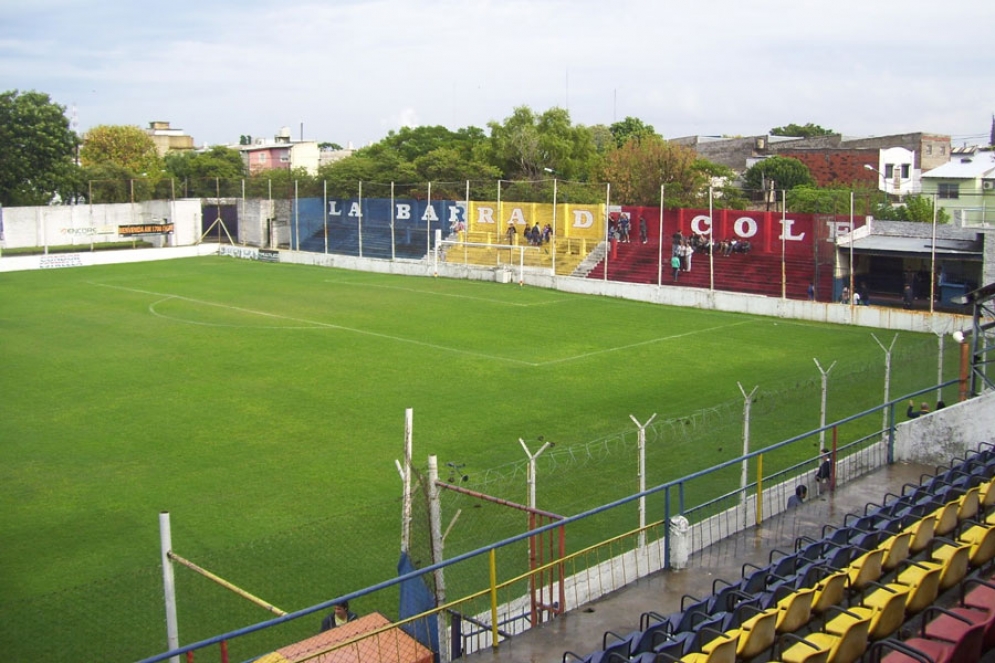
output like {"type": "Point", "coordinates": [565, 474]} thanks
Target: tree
{"type": "Point", "coordinates": [801, 131]}
{"type": "Point", "coordinates": [638, 168]}
{"type": "Point", "coordinates": [198, 171]}
{"type": "Point", "coordinates": [918, 209]}
{"type": "Point", "coordinates": [630, 128]}
{"type": "Point", "coordinates": [126, 146]}
{"type": "Point", "coordinates": [37, 150]}
{"type": "Point", "coordinates": [529, 146]}
{"type": "Point", "coordinates": [786, 173]}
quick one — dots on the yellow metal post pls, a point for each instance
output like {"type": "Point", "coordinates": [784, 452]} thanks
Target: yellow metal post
{"type": "Point", "coordinates": [494, 613]}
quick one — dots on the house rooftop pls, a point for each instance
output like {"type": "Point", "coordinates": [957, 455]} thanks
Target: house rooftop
{"type": "Point", "coordinates": [966, 166]}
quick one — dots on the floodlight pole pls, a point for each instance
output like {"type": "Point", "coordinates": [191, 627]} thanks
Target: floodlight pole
{"type": "Point", "coordinates": [747, 402]}
{"type": "Point", "coordinates": [360, 220]}
{"type": "Point", "coordinates": [822, 411]}
{"type": "Point", "coordinates": [552, 240]}
{"type": "Point", "coordinates": [169, 584]}
{"type": "Point", "coordinates": [887, 379]}
{"type": "Point", "coordinates": [711, 237]}
{"type": "Point", "coordinates": [393, 238]}
{"type": "Point", "coordinates": [659, 251]}
{"type": "Point", "coordinates": [642, 475]}
{"type": "Point", "coordinates": [784, 273]}
{"type": "Point", "coordinates": [531, 478]}
{"type": "Point", "coordinates": [851, 266]}
{"type": "Point", "coordinates": [932, 260]}
{"type": "Point", "coordinates": [428, 220]}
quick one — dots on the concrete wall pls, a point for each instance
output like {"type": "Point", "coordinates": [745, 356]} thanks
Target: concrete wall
{"type": "Point", "coordinates": [84, 225]}
{"type": "Point", "coordinates": [956, 429]}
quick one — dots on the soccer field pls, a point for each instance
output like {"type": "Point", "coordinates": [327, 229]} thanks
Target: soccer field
{"type": "Point", "coordinates": [263, 406]}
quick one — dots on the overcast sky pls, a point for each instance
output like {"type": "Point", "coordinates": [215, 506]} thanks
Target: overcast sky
{"type": "Point", "coordinates": [349, 71]}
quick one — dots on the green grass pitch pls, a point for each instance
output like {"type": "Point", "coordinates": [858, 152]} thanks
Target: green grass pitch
{"type": "Point", "coordinates": [251, 400]}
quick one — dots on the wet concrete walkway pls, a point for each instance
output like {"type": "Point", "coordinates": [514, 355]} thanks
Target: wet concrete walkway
{"type": "Point", "coordinates": [581, 630]}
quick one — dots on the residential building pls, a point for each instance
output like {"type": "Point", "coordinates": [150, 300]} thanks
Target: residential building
{"type": "Point", "coordinates": [281, 153]}
{"type": "Point", "coordinates": [965, 187]}
{"type": "Point", "coordinates": [167, 139]}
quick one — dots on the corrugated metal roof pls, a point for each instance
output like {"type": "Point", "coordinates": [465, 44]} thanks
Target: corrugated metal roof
{"type": "Point", "coordinates": [917, 246]}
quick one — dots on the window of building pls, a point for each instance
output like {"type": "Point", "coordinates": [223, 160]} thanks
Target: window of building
{"type": "Point", "coordinates": [262, 157]}
{"type": "Point", "coordinates": [906, 171]}
{"type": "Point", "coordinates": [948, 190]}
{"type": "Point", "coordinates": [943, 150]}
{"type": "Point", "coordinates": [929, 149]}
{"type": "Point", "coordinates": [889, 171]}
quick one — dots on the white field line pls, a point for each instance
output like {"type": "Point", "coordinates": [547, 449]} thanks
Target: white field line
{"type": "Point", "coordinates": [311, 324]}
{"type": "Point", "coordinates": [447, 294]}
{"type": "Point", "coordinates": [661, 339]}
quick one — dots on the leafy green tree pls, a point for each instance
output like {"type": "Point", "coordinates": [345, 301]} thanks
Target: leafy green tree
{"type": "Point", "coordinates": [109, 182]}
{"type": "Point", "coordinates": [786, 172]}
{"type": "Point", "coordinates": [37, 150]}
{"type": "Point", "coordinates": [529, 145]}
{"type": "Point", "coordinates": [325, 145]}
{"type": "Point", "coordinates": [801, 131]}
{"type": "Point", "coordinates": [122, 145]}
{"type": "Point", "coordinates": [638, 168]}
{"type": "Point", "coordinates": [282, 183]}
{"type": "Point", "coordinates": [630, 128]}
{"type": "Point", "coordinates": [197, 172]}
{"type": "Point", "coordinates": [915, 208]}
{"type": "Point", "coordinates": [815, 200]}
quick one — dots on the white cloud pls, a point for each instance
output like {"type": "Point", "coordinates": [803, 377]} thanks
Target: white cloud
{"type": "Point", "coordinates": [350, 71]}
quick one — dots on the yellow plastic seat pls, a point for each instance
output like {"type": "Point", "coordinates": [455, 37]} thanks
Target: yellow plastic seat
{"type": "Point", "coordinates": [969, 504]}
{"type": "Point", "coordinates": [829, 591]}
{"type": "Point", "coordinates": [884, 606]}
{"type": "Point", "coordinates": [924, 585]}
{"type": "Point", "coordinates": [954, 560]}
{"type": "Point", "coordinates": [896, 550]}
{"type": "Point", "coordinates": [865, 569]}
{"type": "Point", "coordinates": [845, 647]}
{"type": "Point", "coordinates": [794, 610]}
{"type": "Point", "coordinates": [923, 531]}
{"type": "Point", "coordinates": [981, 538]}
{"type": "Point", "coordinates": [755, 634]}
{"type": "Point", "coordinates": [946, 518]}
{"type": "Point", "coordinates": [987, 495]}
{"type": "Point", "coordinates": [720, 650]}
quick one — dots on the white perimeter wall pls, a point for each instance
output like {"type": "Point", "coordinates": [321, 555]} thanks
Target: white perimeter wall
{"type": "Point", "coordinates": [87, 224]}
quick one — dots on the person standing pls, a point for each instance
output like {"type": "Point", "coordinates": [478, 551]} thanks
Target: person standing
{"type": "Point", "coordinates": [675, 264]}
{"type": "Point", "coordinates": [643, 230]}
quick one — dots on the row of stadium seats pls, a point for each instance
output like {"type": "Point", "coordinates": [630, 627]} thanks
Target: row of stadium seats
{"type": "Point", "coordinates": [878, 574]}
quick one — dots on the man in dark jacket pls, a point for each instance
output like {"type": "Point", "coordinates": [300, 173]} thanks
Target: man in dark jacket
{"type": "Point", "coordinates": [340, 616]}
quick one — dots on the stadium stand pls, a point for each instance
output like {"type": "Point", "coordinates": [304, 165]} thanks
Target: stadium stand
{"type": "Point", "coordinates": [910, 579]}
